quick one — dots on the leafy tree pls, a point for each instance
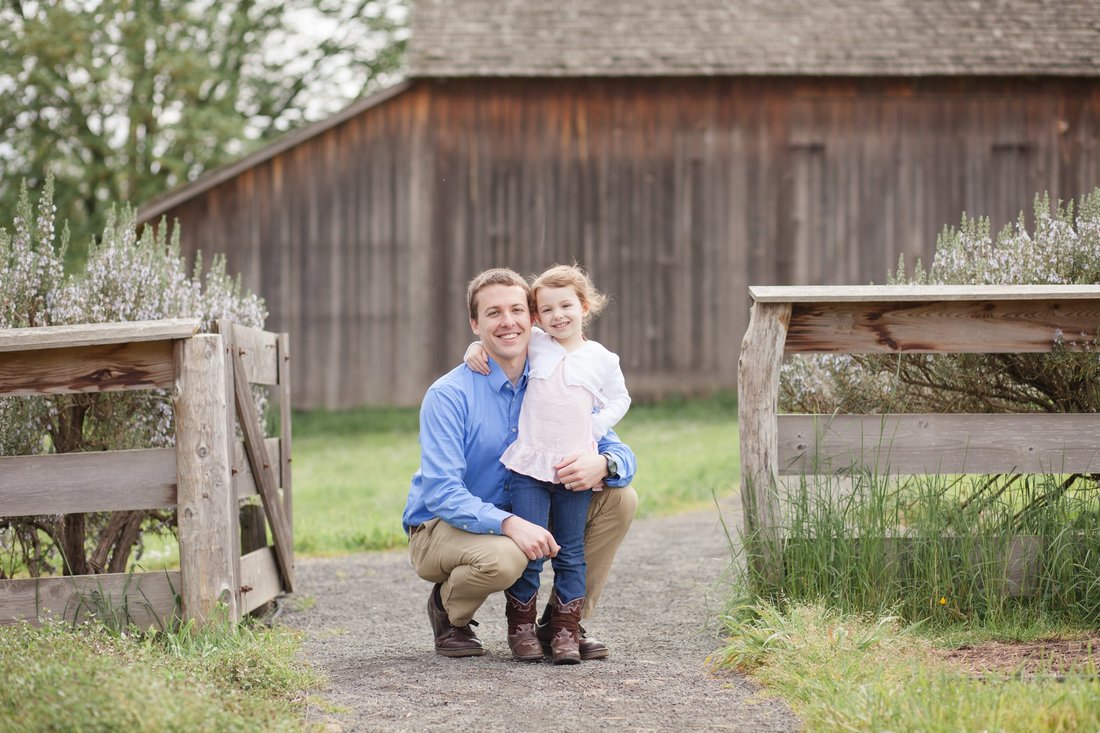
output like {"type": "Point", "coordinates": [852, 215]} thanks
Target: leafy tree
{"type": "Point", "coordinates": [126, 99]}
{"type": "Point", "coordinates": [125, 278]}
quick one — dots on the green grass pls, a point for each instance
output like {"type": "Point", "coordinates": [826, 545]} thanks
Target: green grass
{"type": "Point", "coordinates": [56, 678]}
{"type": "Point", "coordinates": [878, 571]}
{"type": "Point", "coordinates": [844, 672]}
{"type": "Point", "coordinates": [351, 470]}
{"type": "Point", "coordinates": [351, 473]}
{"type": "Point", "coordinates": [687, 451]}
{"type": "Point", "coordinates": [921, 549]}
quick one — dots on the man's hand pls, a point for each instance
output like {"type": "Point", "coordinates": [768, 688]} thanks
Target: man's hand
{"type": "Point", "coordinates": [582, 471]}
{"type": "Point", "coordinates": [535, 541]}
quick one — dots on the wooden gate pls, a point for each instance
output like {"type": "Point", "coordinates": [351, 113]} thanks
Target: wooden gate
{"type": "Point", "coordinates": [261, 358]}
{"type": "Point", "coordinates": [901, 319]}
{"type": "Point", "coordinates": [205, 477]}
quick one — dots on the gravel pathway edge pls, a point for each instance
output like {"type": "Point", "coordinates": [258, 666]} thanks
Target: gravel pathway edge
{"type": "Point", "coordinates": [366, 628]}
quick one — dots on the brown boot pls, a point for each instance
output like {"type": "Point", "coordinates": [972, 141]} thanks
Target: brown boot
{"type": "Point", "coordinates": [591, 647]}
{"type": "Point", "coordinates": [521, 629]}
{"type": "Point", "coordinates": [566, 635]}
{"type": "Point", "coordinates": [451, 640]}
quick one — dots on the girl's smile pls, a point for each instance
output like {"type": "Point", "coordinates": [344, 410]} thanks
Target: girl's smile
{"type": "Point", "coordinates": [562, 315]}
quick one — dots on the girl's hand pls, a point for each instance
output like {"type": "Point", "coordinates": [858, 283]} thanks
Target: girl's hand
{"type": "Point", "coordinates": [477, 359]}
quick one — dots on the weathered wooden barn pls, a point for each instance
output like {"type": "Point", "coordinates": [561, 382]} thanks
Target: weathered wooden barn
{"type": "Point", "coordinates": [681, 151]}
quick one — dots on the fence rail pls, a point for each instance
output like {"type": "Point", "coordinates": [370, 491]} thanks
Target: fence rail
{"type": "Point", "coordinates": [901, 319]}
{"type": "Point", "coordinates": [209, 477]}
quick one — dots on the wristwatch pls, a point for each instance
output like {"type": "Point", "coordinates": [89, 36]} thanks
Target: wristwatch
{"type": "Point", "coordinates": [612, 466]}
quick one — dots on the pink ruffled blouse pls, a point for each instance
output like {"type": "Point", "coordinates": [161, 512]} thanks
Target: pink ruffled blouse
{"type": "Point", "coordinates": [556, 421]}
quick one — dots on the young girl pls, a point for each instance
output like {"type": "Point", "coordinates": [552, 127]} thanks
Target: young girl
{"type": "Point", "coordinates": [569, 376]}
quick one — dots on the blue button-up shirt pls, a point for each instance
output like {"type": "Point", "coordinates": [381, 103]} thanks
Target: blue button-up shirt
{"type": "Point", "coordinates": [466, 422]}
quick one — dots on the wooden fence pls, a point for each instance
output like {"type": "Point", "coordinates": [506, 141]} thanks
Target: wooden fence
{"type": "Point", "coordinates": [901, 319]}
{"type": "Point", "coordinates": [206, 477]}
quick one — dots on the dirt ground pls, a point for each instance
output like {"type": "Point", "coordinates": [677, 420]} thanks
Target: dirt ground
{"type": "Point", "coordinates": [366, 626]}
{"type": "Point", "coordinates": [1051, 658]}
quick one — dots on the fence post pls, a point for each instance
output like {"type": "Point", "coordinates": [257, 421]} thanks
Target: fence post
{"type": "Point", "coordinates": [757, 402]}
{"type": "Point", "coordinates": [206, 501]}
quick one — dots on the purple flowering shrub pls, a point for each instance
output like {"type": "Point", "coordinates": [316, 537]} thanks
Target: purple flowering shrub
{"type": "Point", "coordinates": [126, 278]}
{"type": "Point", "coordinates": [1063, 249]}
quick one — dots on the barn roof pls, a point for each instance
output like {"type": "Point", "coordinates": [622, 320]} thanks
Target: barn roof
{"type": "Point", "coordinates": [584, 38]}
{"type": "Point", "coordinates": [456, 38]}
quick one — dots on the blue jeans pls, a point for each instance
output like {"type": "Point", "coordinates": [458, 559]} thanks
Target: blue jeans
{"type": "Point", "coordinates": [552, 505]}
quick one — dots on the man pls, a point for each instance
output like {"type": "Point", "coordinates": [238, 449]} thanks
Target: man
{"type": "Point", "coordinates": [461, 536]}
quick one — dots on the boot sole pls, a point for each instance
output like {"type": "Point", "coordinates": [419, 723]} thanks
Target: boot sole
{"type": "Point", "coordinates": [602, 654]}
{"type": "Point", "coordinates": [460, 652]}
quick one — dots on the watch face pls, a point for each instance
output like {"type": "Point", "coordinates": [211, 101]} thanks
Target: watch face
{"type": "Point", "coordinates": [612, 467]}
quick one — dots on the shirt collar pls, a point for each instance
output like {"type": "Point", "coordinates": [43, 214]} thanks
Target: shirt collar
{"type": "Point", "coordinates": [497, 377]}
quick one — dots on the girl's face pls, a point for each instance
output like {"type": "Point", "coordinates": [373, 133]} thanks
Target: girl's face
{"type": "Point", "coordinates": [560, 312]}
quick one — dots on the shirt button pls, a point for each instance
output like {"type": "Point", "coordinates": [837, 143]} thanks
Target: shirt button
{"type": "Point", "coordinates": [513, 430]}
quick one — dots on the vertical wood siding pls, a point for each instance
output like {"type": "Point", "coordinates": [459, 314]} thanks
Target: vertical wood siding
{"type": "Point", "coordinates": [675, 193]}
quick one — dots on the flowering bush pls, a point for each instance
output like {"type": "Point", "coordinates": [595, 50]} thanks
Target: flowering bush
{"type": "Point", "coordinates": [126, 278]}
{"type": "Point", "coordinates": [1064, 249]}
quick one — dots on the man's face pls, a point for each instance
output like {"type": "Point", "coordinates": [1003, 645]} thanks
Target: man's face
{"type": "Point", "coordinates": [503, 322]}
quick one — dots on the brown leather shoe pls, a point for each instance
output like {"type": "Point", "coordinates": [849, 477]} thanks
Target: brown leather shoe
{"type": "Point", "coordinates": [521, 629]}
{"type": "Point", "coordinates": [450, 640]}
{"type": "Point", "coordinates": [591, 647]}
{"type": "Point", "coordinates": [566, 637]}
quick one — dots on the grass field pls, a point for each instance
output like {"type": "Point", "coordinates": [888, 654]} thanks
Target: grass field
{"type": "Point", "coordinates": [93, 678]}
{"type": "Point", "coordinates": [845, 672]}
{"type": "Point", "coordinates": [352, 469]}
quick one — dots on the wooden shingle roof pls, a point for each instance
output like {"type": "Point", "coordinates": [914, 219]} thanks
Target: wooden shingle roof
{"type": "Point", "coordinates": [460, 38]}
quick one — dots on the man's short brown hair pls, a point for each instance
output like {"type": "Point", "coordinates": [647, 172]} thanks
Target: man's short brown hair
{"type": "Point", "coordinates": [495, 276]}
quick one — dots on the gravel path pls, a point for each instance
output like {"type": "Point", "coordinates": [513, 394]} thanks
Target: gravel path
{"type": "Point", "coordinates": [366, 627]}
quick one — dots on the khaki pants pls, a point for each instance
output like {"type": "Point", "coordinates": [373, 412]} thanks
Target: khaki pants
{"type": "Point", "coordinates": [471, 567]}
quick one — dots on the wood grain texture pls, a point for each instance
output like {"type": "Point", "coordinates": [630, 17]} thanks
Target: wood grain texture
{"type": "Point", "coordinates": [939, 444]}
{"type": "Point", "coordinates": [758, 388]}
{"type": "Point", "coordinates": [917, 293]}
{"type": "Point", "coordinates": [259, 354]}
{"type": "Point", "coordinates": [283, 447]}
{"type": "Point", "coordinates": [207, 509]}
{"type": "Point", "coordinates": [102, 368]}
{"type": "Point", "coordinates": [264, 476]}
{"type": "Point", "coordinates": [244, 483]}
{"type": "Point", "coordinates": [74, 483]}
{"type": "Point", "coordinates": [975, 326]}
{"type": "Point", "coordinates": [92, 334]}
{"type": "Point", "coordinates": [149, 598]}
{"type": "Point", "coordinates": [260, 581]}
{"type": "Point", "coordinates": [224, 328]}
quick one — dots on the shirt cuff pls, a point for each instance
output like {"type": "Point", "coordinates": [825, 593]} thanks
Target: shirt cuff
{"type": "Point", "coordinates": [493, 519]}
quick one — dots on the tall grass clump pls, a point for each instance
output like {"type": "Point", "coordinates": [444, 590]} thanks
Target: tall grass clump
{"type": "Point", "coordinates": [942, 549]}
